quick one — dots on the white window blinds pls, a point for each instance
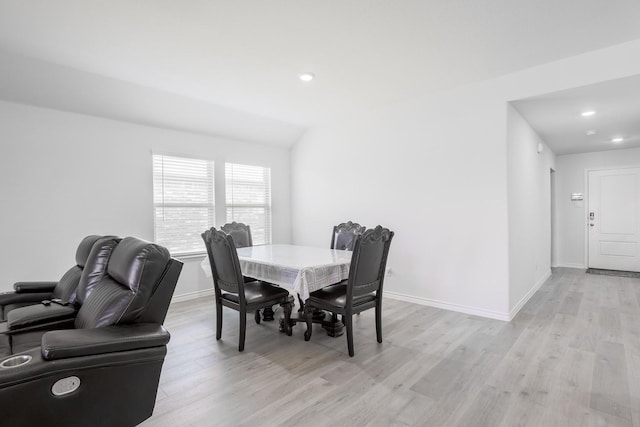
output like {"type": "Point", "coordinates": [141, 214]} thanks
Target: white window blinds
{"type": "Point", "coordinates": [183, 199]}
{"type": "Point", "coordinates": [248, 194]}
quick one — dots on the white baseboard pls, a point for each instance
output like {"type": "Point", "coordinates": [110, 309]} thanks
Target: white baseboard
{"type": "Point", "coordinates": [529, 294]}
{"type": "Point", "coordinates": [580, 266]}
{"type": "Point", "coordinates": [449, 306]}
{"type": "Point", "coordinates": [192, 295]}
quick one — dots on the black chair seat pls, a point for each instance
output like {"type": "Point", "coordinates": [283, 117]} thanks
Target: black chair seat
{"type": "Point", "coordinates": [258, 292]}
{"type": "Point", "coordinates": [336, 296]}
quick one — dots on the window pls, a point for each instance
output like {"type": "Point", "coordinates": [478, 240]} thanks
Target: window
{"type": "Point", "coordinates": [248, 190]}
{"type": "Point", "coordinates": [183, 202]}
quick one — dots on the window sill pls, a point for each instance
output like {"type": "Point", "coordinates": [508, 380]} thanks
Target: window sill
{"type": "Point", "coordinates": [190, 257]}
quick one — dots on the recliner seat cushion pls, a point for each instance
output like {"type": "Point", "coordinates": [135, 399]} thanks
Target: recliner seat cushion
{"type": "Point", "coordinates": [38, 314]}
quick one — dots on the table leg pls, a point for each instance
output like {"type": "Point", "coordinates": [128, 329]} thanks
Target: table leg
{"type": "Point", "coordinates": [267, 314]}
{"type": "Point", "coordinates": [333, 326]}
{"type": "Point", "coordinates": [329, 321]}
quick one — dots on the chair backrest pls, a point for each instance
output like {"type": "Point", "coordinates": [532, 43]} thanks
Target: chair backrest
{"type": "Point", "coordinates": [225, 266]}
{"type": "Point", "coordinates": [344, 235]}
{"type": "Point", "coordinates": [95, 268]}
{"type": "Point", "coordinates": [135, 269]}
{"type": "Point", "coordinates": [65, 289]}
{"type": "Point", "coordinates": [368, 262]}
{"type": "Point", "coordinates": [158, 304]}
{"type": "Point", "coordinates": [240, 232]}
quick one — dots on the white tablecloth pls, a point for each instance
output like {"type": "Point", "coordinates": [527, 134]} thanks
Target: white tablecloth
{"type": "Point", "coordinates": [300, 268]}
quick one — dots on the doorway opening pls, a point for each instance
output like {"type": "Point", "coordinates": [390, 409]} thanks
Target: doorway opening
{"type": "Point", "coordinates": [612, 225]}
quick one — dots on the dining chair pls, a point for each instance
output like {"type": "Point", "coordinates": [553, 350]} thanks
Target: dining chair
{"type": "Point", "coordinates": [240, 232]}
{"type": "Point", "coordinates": [344, 235]}
{"type": "Point", "coordinates": [231, 290]}
{"type": "Point", "coordinates": [362, 290]}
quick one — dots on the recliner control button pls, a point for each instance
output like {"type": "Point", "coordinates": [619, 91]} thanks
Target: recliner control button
{"type": "Point", "coordinates": [65, 386]}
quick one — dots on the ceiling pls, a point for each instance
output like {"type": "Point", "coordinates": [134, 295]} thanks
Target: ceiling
{"type": "Point", "coordinates": [557, 117]}
{"type": "Point", "coordinates": [230, 67]}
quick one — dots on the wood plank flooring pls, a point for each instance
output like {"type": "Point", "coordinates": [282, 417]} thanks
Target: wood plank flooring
{"type": "Point", "coordinates": [570, 358]}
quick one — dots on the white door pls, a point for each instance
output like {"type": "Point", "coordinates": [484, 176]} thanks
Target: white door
{"type": "Point", "coordinates": [613, 222]}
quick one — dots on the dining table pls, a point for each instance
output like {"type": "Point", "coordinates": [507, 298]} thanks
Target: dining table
{"type": "Point", "coordinates": [301, 269]}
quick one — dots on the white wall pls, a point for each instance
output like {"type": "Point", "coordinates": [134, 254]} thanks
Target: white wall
{"type": "Point", "coordinates": [571, 216]}
{"type": "Point", "coordinates": [529, 186]}
{"type": "Point", "coordinates": [434, 170]}
{"type": "Point", "coordinates": [64, 176]}
{"type": "Point", "coordinates": [405, 170]}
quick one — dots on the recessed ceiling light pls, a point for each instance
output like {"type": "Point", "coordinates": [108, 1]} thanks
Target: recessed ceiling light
{"type": "Point", "coordinates": [591, 132]}
{"type": "Point", "coordinates": [306, 77]}
{"type": "Point", "coordinates": [618, 139]}
{"type": "Point", "coordinates": [588, 113]}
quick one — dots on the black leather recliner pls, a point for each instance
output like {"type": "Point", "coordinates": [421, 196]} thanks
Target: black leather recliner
{"type": "Point", "coordinates": [29, 293]}
{"type": "Point", "coordinates": [95, 361]}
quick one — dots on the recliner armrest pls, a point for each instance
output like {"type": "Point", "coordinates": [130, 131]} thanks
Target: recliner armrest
{"type": "Point", "coordinates": [27, 287]}
{"type": "Point", "coordinates": [7, 298]}
{"type": "Point", "coordinates": [85, 342]}
{"type": "Point", "coordinates": [39, 314]}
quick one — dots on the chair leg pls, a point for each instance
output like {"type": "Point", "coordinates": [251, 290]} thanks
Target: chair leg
{"type": "Point", "coordinates": [349, 327]}
{"type": "Point", "coordinates": [257, 316]}
{"type": "Point", "coordinates": [308, 314]}
{"type": "Point", "coordinates": [379, 321]}
{"type": "Point", "coordinates": [343, 318]}
{"type": "Point", "coordinates": [218, 321]}
{"type": "Point", "coordinates": [243, 329]}
{"type": "Point", "coordinates": [287, 308]}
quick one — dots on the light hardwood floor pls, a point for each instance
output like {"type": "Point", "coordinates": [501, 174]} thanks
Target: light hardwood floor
{"type": "Point", "coordinates": [570, 358]}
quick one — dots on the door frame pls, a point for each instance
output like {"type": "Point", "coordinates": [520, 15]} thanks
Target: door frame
{"type": "Point", "coordinates": [586, 203]}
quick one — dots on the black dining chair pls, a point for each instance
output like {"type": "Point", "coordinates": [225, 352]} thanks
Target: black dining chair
{"type": "Point", "coordinates": [343, 238]}
{"type": "Point", "coordinates": [240, 232]}
{"type": "Point", "coordinates": [362, 290]}
{"type": "Point", "coordinates": [232, 291]}
{"type": "Point", "coordinates": [344, 235]}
